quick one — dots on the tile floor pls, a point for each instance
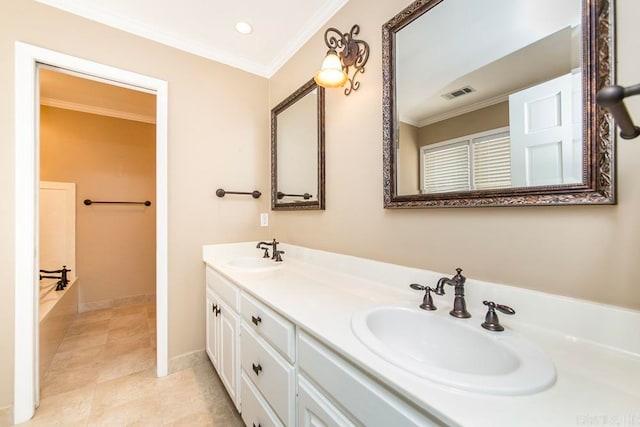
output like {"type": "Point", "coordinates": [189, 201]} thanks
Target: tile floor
{"type": "Point", "coordinates": [104, 375]}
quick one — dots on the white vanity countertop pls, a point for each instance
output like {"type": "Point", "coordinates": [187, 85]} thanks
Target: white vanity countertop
{"type": "Point", "coordinates": [595, 348]}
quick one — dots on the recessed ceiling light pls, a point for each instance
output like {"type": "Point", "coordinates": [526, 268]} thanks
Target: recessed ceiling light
{"type": "Point", "coordinates": [243, 28]}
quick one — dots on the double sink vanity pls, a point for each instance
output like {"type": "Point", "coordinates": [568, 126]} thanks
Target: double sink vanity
{"type": "Point", "coordinates": [328, 339]}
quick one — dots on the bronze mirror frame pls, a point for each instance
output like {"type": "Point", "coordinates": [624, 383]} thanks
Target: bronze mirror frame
{"type": "Point", "coordinates": [300, 93]}
{"type": "Point", "coordinates": [598, 176]}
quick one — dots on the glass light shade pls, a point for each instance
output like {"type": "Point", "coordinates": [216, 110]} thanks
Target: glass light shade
{"type": "Point", "coordinates": [331, 74]}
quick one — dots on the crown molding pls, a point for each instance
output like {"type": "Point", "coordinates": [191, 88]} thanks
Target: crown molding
{"type": "Point", "coordinates": [100, 15]}
{"type": "Point", "coordinates": [92, 109]}
{"type": "Point", "coordinates": [463, 110]}
{"type": "Point", "coordinates": [315, 24]}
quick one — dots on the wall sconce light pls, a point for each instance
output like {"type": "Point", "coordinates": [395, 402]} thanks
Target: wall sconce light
{"type": "Point", "coordinates": [335, 67]}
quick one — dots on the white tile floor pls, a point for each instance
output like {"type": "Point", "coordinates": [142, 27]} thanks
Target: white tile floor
{"type": "Point", "coordinates": [104, 375]}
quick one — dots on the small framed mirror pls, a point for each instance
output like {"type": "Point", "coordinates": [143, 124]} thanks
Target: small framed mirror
{"type": "Point", "coordinates": [297, 150]}
{"type": "Point", "coordinates": [492, 103]}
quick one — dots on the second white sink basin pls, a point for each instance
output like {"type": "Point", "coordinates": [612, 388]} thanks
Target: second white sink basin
{"type": "Point", "coordinates": [454, 352]}
{"type": "Point", "coordinates": [254, 264]}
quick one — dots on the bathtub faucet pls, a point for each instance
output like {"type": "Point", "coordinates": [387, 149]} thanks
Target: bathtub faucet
{"type": "Point", "coordinates": [63, 282]}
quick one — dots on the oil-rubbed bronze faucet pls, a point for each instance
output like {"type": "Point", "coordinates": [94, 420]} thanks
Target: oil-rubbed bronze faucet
{"type": "Point", "coordinates": [427, 300]}
{"type": "Point", "coordinates": [459, 305]}
{"type": "Point", "coordinates": [266, 248]}
{"type": "Point", "coordinates": [64, 280]}
{"type": "Point", "coordinates": [491, 321]}
{"type": "Point", "coordinates": [276, 256]}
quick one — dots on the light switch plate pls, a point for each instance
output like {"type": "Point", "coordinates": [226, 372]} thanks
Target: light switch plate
{"type": "Point", "coordinates": [264, 219]}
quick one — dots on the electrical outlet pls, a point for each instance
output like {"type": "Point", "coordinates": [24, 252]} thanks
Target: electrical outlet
{"type": "Point", "coordinates": [264, 219]}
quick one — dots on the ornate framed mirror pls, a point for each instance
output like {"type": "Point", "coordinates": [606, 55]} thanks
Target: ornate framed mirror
{"type": "Point", "coordinates": [297, 150]}
{"type": "Point", "coordinates": [492, 103]}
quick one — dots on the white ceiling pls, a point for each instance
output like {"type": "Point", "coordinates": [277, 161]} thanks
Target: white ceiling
{"type": "Point", "coordinates": [207, 27]}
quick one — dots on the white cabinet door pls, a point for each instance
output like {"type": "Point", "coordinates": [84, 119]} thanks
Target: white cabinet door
{"type": "Point", "coordinates": [542, 133]}
{"type": "Point", "coordinates": [222, 344]}
{"type": "Point", "coordinates": [228, 341]}
{"type": "Point", "coordinates": [212, 327]}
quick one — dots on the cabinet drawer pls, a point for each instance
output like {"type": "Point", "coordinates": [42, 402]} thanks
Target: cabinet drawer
{"type": "Point", "coordinates": [314, 409]}
{"type": "Point", "coordinates": [255, 410]}
{"type": "Point", "coordinates": [226, 290]}
{"type": "Point", "coordinates": [367, 401]}
{"type": "Point", "coordinates": [270, 372]}
{"type": "Point", "coordinates": [269, 325]}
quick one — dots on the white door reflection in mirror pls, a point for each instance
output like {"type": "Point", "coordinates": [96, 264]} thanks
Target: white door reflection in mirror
{"type": "Point", "coordinates": [543, 133]}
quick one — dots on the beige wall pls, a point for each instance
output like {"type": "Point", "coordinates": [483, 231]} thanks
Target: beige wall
{"type": "Point", "coordinates": [408, 159]}
{"type": "Point", "coordinates": [108, 159]}
{"type": "Point", "coordinates": [484, 119]}
{"type": "Point", "coordinates": [588, 252]}
{"type": "Point", "coordinates": [218, 137]}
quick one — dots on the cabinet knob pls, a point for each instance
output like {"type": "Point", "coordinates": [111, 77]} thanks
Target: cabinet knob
{"type": "Point", "coordinates": [256, 320]}
{"type": "Point", "coordinates": [254, 425]}
{"type": "Point", "coordinates": [213, 308]}
{"type": "Point", "coordinates": [256, 368]}
{"type": "Point", "coordinates": [217, 311]}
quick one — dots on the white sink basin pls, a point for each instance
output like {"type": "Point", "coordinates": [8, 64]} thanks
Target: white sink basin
{"type": "Point", "coordinates": [255, 264]}
{"type": "Point", "coordinates": [454, 352]}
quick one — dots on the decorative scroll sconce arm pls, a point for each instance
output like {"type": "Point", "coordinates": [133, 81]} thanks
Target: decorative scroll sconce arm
{"type": "Point", "coordinates": [353, 53]}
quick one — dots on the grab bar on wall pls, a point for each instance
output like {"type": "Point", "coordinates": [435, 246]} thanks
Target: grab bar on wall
{"type": "Point", "coordinates": [612, 98]}
{"type": "Point", "coordinates": [255, 194]}
{"type": "Point", "coordinates": [282, 195]}
{"type": "Point", "coordinates": [91, 202]}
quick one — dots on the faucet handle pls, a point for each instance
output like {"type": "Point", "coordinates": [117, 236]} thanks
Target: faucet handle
{"type": "Point", "coordinates": [491, 321]}
{"type": "Point", "coordinates": [427, 301]}
{"type": "Point", "coordinates": [277, 255]}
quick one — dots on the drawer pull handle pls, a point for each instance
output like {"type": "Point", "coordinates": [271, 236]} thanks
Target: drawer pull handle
{"type": "Point", "coordinates": [256, 320]}
{"type": "Point", "coordinates": [257, 369]}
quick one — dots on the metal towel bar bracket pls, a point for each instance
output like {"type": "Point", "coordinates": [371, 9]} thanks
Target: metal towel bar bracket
{"type": "Point", "coordinates": [220, 193]}
{"type": "Point", "coordinates": [612, 98]}
{"type": "Point", "coordinates": [89, 202]}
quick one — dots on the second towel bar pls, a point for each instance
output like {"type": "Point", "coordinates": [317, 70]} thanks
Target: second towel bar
{"type": "Point", "coordinates": [91, 202]}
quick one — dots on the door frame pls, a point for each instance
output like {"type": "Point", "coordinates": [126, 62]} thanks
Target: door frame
{"type": "Point", "coordinates": [27, 143]}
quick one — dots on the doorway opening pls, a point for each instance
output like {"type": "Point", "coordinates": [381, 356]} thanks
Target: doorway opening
{"type": "Point", "coordinates": [97, 142]}
{"type": "Point", "coordinates": [28, 59]}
